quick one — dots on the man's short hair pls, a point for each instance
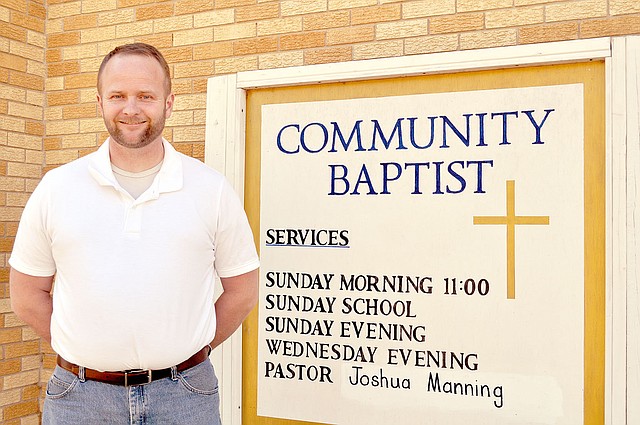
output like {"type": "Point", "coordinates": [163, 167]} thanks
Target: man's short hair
{"type": "Point", "coordinates": [140, 49]}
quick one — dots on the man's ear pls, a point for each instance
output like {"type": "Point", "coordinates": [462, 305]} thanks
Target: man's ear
{"type": "Point", "coordinates": [99, 100]}
{"type": "Point", "coordinates": [168, 105]}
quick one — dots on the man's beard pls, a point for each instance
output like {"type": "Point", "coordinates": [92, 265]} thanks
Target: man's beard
{"type": "Point", "coordinates": [151, 133]}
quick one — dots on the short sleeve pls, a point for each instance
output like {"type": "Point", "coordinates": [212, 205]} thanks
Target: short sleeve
{"type": "Point", "coordinates": [32, 252]}
{"type": "Point", "coordinates": [235, 251]}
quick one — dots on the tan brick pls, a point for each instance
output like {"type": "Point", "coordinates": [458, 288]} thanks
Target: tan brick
{"type": "Point", "coordinates": [62, 127]}
{"type": "Point", "coordinates": [26, 141]}
{"type": "Point", "coordinates": [62, 98]}
{"type": "Point", "coordinates": [303, 40]}
{"type": "Point", "coordinates": [35, 157]}
{"type": "Point", "coordinates": [37, 39]}
{"type": "Point", "coordinates": [258, 12]}
{"type": "Point", "coordinates": [12, 124]}
{"type": "Point", "coordinates": [230, 65]}
{"type": "Point", "coordinates": [350, 4]}
{"type": "Point", "coordinates": [12, 93]}
{"type": "Point", "coordinates": [129, 3]}
{"type": "Point", "coordinates": [53, 55]}
{"type": "Point", "coordinates": [351, 35]}
{"type": "Point", "coordinates": [12, 154]}
{"type": "Point", "coordinates": [53, 113]}
{"type": "Point", "coordinates": [213, 18]}
{"type": "Point", "coordinates": [60, 157]}
{"type": "Point", "coordinates": [15, 169]}
{"type": "Point", "coordinates": [254, 46]}
{"type": "Point", "coordinates": [234, 31]}
{"type": "Point", "coordinates": [578, 9]}
{"type": "Point", "coordinates": [547, 33]}
{"type": "Point", "coordinates": [78, 141]}
{"type": "Point", "coordinates": [329, 55]}
{"type": "Point", "coordinates": [28, 51]}
{"type": "Point", "coordinates": [32, 391]}
{"type": "Point", "coordinates": [161, 41]}
{"type": "Point", "coordinates": [184, 7]}
{"type": "Point", "coordinates": [431, 44]}
{"type": "Point", "coordinates": [180, 118]}
{"type": "Point", "coordinates": [380, 49]}
{"type": "Point", "coordinates": [619, 25]}
{"type": "Point", "coordinates": [10, 397]}
{"type": "Point", "coordinates": [188, 134]}
{"type": "Point", "coordinates": [280, 26]}
{"type": "Point", "coordinates": [490, 38]}
{"type": "Point", "coordinates": [80, 81]}
{"type": "Point", "coordinates": [280, 60]}
{"type": "Point", "coordinates": [134, 29]}
{"type": "Point", "coordinates": [91, 125]}
{"type": "Point", "coordinates": [327, 20]}
{"type": "Point", "coordinates": [79, 52]}
{"type": "Point", "coordinates": [21, 349]}
{"type": "Point", "coordinates": [192, 101]}
{"type": "Point", "coordinates": [34, 128]}
{"type": "Point", "coordinates": [78, 22]}
{"type": "Point", "coordinates": [212, 50]}
{"type": "Point", "coordinates": [514, 17]}
{"type": "Point", "coordinates": [64, 39]}
{"type": "Point", "coordinates": [63, 68]}
{"type": "Point", "coordinates": [174, 23]}
{"type": "Point", "coordinates": [302, 7]}
{"type": "Point", "coordinates": [92, 6]}
{"type": "Point", "coordinates": [156, 11]}
{"type": "Point", "coordinates": [13, 32]}
{"type": "Point", "coordinates": [402, 29]}
{"type": "Point", "coordinates": [10, 214]}
{"type": "Point", "coordinates": [193, 69]}
{"type": "Point", "coordinates": [478, 5]}
{"type": "Point", "coordinates": [620, 7]}
{"type": "Point", "coordinates": [456, 23]}
{"type": "Point", "coordinates": [21, 409]}
{"type": "Point", "coordinates": [90, 65]}
{"type": "Point", "coordinates": [115, 17]}
{"type": "Point", "coordinates": [25, 111]}
{"type": "Point", "coordinates": [62, 10]}
{"type": "Point", "coordinates": [15, 199]}
{"type": "Point", "coordinates": [8, 336]}
{"type": "Point", "coordinates": [25, 21]}
{"type": "Point", "coordinates": [93, 35]}
{"type": "Point", "coordinates": [518, 3]}
{"type": "Point", "coordinates": [194, 36]}
{"type": "Point", "coordinates": [233, 3]}
{"type": "Point", "coordinates": [38, 10]}
{"type": "Point", "coordinates": [376, 14]}
{"type": "Point", "coordinates": [13, 62]}
{"type": "Point", "coordinates": [80, 111]}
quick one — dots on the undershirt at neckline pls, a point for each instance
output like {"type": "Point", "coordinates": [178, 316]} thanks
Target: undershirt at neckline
{"type": "Point", "coordinates": [136, 183]}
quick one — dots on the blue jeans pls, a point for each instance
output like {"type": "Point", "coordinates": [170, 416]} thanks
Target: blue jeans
{"type": "Point", "coordinates": [188, 397]}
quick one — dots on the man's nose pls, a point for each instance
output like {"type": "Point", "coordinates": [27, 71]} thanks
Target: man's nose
{"type": "Point", "coordinates": [131, 106]}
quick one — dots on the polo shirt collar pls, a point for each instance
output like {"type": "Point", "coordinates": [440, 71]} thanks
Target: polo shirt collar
{"type": "Point", "coordinates": [169, 178]}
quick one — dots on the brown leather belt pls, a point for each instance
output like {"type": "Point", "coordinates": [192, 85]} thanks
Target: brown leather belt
{"type": "Point", "coordinates": [130, 378]}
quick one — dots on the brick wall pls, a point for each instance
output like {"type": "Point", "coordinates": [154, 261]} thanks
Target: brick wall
{"type": "Point", "coordinates": [50, 52]}
{"type": "Point", "coordinates": [22, 80]}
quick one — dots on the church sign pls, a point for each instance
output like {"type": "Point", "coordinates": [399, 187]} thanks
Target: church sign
{"type": "Point", "coordinates": [423, 257]}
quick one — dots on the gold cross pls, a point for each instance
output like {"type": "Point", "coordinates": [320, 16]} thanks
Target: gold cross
{"type": "Point", "coordinates": [511, 219]}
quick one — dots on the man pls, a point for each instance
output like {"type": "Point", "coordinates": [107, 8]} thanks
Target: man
{"type": "Point", "coordinates": [135, 234]}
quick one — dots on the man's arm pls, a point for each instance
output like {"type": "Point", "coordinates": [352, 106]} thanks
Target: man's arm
{"type": "Point", "coordinates": [234, 304]}
{"type": "Point", "coordinates": [31, 301]}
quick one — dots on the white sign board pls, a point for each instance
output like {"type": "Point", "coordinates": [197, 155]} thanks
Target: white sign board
{"type": "Point", "coordinates": [423, 259]}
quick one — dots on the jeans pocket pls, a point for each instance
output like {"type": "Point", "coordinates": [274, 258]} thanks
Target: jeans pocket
{"type": "Point", "coordinates": [200, 379]}
{"type": "Point", "coordinates": [61, 383]}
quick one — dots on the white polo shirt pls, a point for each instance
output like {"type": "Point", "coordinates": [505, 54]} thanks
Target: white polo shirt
{"type": "Point", "coordinates": [134, 278]}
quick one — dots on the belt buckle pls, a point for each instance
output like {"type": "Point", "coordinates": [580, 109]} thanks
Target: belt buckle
{"type": "Point", "coordinates": [137, 373]}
